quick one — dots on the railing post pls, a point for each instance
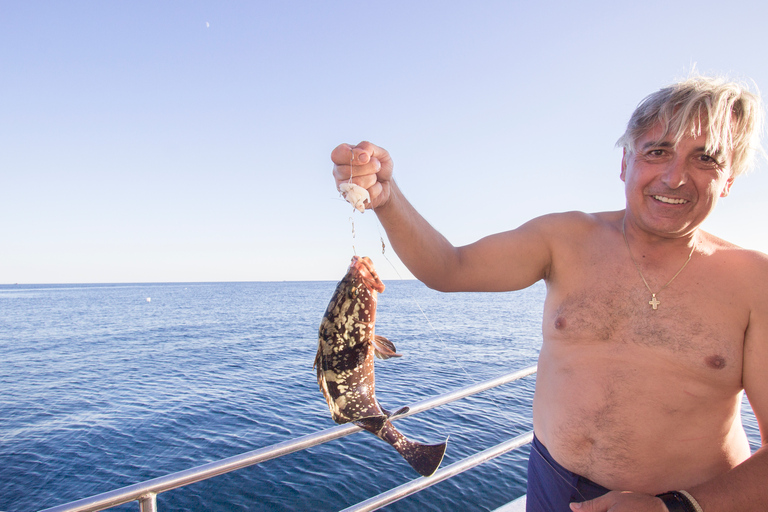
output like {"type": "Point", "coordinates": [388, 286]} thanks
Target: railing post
{"type": "Point", "coordinates": [148, 503]}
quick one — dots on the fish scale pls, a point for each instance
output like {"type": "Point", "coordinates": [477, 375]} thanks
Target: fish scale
{"type": "Point", "coordinates": [347, 346]}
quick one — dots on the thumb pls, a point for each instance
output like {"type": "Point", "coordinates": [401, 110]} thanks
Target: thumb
{"type": "Point", "coordinates": [365, 152]}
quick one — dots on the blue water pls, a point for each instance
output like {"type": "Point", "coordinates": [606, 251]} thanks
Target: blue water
{"type": "Point", "coordinates": [102, 388]}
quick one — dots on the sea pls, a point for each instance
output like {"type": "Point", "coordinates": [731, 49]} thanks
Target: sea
{"type": "Point", "coordinates": [107, 385]}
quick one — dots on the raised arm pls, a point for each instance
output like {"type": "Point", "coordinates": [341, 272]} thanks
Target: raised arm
{"type": "Point", "coordinates": [506, 261]}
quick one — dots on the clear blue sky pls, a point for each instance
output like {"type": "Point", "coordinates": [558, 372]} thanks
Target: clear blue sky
{"type": "Point", "coordinates": [190, 141]}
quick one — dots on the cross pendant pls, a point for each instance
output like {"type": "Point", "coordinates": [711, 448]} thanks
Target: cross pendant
{"type": "Point", "coordinates": [654, 302]}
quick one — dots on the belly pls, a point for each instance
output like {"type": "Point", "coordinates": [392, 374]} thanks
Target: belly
{"type": "Point", "coordinates": [627, 418]}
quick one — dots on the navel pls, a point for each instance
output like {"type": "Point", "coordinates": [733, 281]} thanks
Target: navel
{"type": "Point", "coordinates": [715, 362]}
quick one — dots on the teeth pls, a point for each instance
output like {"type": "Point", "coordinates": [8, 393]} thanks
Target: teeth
{"type": "Point", "coordinates": [669, 200]}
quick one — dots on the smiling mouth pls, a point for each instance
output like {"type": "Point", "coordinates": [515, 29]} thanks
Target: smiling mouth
{"type": "Point", "coordinates": [670, 200]}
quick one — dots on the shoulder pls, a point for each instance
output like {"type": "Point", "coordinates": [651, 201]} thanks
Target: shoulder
{"type": "Point", "coordinates": [743, 271]}
{"type": "Point", "coordinates": [572, 236]}
{"type": "Point", "coordinates": [741, 261]}
{"type": "Point", "coordinates": [569, 225]}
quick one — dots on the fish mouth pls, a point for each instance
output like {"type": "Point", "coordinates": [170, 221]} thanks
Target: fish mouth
{"type": "Point", "coordinates": [363, 266]}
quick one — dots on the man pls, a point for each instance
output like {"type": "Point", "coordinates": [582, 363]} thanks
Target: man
{"type": "Point", "coordinates": [652, 327]}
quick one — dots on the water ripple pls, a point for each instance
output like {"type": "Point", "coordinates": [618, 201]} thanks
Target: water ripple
{"type": "Point", "coordinates": [103, 389]}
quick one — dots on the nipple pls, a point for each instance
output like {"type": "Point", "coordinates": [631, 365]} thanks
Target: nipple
{"type": "Point", "coordinates": [715, 362]}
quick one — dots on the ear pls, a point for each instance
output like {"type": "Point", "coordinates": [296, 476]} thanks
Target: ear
{"type": "Point", "coordinates": [624, 157]}
{"type": "Point", "coordinates": [727, 188]}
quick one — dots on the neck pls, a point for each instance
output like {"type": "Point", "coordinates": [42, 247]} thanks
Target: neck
{"type": "Point", "coordinates": [650, 242]}
{"type": "Point", "coordinates": [654, 302]}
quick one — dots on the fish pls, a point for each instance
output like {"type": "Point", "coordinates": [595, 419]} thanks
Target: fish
{"type": "Point", "coordinates": [347, 346]}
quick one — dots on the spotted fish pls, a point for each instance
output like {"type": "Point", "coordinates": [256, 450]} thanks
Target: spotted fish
{"type": "Point", "coordinates": [345, 353]}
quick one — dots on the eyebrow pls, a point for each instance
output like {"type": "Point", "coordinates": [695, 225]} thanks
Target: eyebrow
{"type": "Point", "coordinates": [667, 144]}
{"type": "Point", "coordinates": [658, 144]}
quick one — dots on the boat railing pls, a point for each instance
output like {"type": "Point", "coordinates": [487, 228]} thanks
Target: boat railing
{"type": "Point", "coordinates": [146, 492]}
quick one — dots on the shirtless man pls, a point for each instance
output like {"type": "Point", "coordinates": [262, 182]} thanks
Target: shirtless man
{"type": "Point", "coordinates": [652, 327]}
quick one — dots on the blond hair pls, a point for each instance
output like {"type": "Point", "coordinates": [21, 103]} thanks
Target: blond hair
{"type": "Point", "coordinates": [729, 114]}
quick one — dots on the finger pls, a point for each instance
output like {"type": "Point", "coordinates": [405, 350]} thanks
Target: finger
{"type": "Point", "coordinates": [595, 505]}
{"type": "Point", "coordinates": [344, 172]}
{"type": "Point", "coordinates": [375, 192]}
{"type": "Point", "coordinates": [365, 151]}
{"type": "Point", "coordinates": [366, 181]}
{"type": "Point", "coordinates": [364, 164]}
{"type": "Point", "coordinates": [360, 154]}
{"type": "Point", "coordinates": [341, 154]}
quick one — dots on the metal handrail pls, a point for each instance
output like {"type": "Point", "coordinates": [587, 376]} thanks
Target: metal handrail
{"type": "Point", "coordinates": [145, 492]}
{"type": "Point", "coordinates": [454, 469]}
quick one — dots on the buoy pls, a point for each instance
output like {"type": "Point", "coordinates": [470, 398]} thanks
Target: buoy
{"type": "Point", "coordinates": [149, 299]}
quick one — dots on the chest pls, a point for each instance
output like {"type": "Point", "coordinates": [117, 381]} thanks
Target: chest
{"type": "Point", "coordinates": [699, 321]}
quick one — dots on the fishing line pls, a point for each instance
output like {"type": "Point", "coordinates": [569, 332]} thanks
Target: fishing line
{"type": "Point", "coordinates": [352, 221]}
{"type": "Point", "coordinates": [413, 297]}
{"type": "Point", "coordinates": [429, 322]}
{"type": "Point", "coordinates": [418, 305]}
{"type": "Point", "coordinates": [351, 217]}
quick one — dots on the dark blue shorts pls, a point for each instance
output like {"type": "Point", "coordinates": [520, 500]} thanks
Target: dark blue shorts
{"type": "Point", "coordinates": [551, 487]}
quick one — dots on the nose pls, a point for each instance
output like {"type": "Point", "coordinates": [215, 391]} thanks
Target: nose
{"type": "Point", "coordinates": [676, 173]}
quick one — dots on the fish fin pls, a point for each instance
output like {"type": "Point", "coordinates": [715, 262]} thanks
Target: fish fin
{"type": "Point", "coordinates": [383, 348]}
{"type": "Point", "coordinates": [319, 354]}
{"type": "Point", "coordinates": [424, 458]}
{"type": "Point", "coordinates": [400, 411]}
{"type": "Point", "coordinates": [388, 414]}
{"type": "Point", "coordinates": [372, 424]}
{"type": "Point", "coordinates": [323, 385]}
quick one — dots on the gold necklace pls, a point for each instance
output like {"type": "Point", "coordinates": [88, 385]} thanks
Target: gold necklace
{"type": "Point", "coordinates": [654, 302]}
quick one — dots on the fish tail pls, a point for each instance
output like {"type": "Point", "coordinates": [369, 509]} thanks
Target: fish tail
{"type": "Point", "coordinates": [424, 458]}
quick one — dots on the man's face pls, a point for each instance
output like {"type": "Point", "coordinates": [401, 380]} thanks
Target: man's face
{"type": "Point", "coordinates": [671, 189]}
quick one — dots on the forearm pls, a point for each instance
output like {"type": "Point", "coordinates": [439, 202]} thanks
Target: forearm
{"type": "Point", "coordinates": [428, 255]}
{"type": "Point", "coordinates": [744, 488]}
{"type": "Point", "coordinates": [505, 261]}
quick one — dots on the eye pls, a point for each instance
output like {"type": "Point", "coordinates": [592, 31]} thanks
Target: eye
{"type": "Point", "coordinates": [655, 153]}
{"type": "Point", "coordinates": [709, 161]}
